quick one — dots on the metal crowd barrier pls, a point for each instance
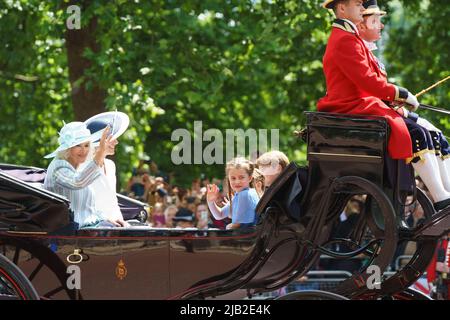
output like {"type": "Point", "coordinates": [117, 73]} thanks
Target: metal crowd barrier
{"type": "Point", "coordinates": [325, 280]}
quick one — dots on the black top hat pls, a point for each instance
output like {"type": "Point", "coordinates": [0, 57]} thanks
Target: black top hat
{"type": "Point", "coordinates": [372, 8]}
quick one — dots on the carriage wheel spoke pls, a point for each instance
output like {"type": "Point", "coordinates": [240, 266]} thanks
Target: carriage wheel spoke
{"type": "Point", "coordinates": [53, 292]}
{"type": "Point", "coordinates": [35, 271]}
{"type": "Point", "coordinates": [16, 256]}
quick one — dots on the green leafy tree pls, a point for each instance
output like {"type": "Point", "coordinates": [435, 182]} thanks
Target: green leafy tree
{"type": "Point", "coordinates": [418, 51]}
{"type": "Point", "coordinates": [231, 64]}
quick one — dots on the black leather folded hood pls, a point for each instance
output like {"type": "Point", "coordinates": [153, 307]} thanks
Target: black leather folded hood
{"type": "Point", "coordinates": [27, 208]}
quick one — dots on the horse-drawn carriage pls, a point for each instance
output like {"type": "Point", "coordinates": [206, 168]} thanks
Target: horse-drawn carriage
{"type": "Point", "coordinates": [49, 258]}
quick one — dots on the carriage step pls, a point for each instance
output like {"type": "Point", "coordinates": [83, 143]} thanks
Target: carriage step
{"type": "Point", "coordinates": [437, 227]}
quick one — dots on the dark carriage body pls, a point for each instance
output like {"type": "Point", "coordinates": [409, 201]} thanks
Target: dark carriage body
{"type": "Point", "coordinates": [347, 156]}
{"type": "Point", "coordinates": [35, 227]}
{"type": "Point", "coordinates": [150, 264]}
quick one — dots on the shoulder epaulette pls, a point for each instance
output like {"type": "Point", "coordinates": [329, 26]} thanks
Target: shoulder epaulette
{"type": "Point", "coordinates": [344, 25]}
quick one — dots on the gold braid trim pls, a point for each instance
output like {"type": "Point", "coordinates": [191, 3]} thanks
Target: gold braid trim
{"type": "Point", "coordinates": [418, 154]}
{"type": "Point", "coordinates": [397, 93]}
{"type": "Point", "coordinates": [345, 27]}
{"type": "Point", "coordinates": [447, 156]}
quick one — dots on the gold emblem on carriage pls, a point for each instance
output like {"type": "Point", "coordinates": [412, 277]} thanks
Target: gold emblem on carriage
{"type": "Point", "coordinates": [121, 270]}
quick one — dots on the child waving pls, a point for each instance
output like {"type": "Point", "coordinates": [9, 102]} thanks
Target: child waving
{"type": "Point", "coordinates": [242, 205]}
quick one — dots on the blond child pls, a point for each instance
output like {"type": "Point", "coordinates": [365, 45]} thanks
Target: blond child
{"type": "Point", "coordinates": [243, 198]}
{"type": "Point", "coordinates": [271, 164]}
{"type": "Point", "coordinates": [258, 181]}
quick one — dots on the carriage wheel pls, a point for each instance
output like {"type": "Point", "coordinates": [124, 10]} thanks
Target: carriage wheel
{"type": "Point", "coordinates": [397, 284]}
{"type": "Point", "coordinates": [312, 295]}
{"type": "Point", "coordinates": [382, 229]}
{"type": "Point", "coordinates": [40, 261]}
{"type": "Point", "coordinates": [410, 294]}
{"type": "Point", "coordinates": [14, 285]}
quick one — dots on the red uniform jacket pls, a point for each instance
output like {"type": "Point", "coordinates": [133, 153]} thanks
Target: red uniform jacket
{"type": "Point", "coordinates": [355, 85]}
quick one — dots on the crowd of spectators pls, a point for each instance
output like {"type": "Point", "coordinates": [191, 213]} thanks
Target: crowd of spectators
{"type": "Point", "coordinates": [173, 206]}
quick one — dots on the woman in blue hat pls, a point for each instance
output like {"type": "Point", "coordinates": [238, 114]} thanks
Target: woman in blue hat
{"type": "Point", "coordinates": [66, 177]}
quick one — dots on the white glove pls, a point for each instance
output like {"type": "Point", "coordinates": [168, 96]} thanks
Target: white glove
{"type": "Point", "coordinates": [427, 125]}
{"type": "Point", "coordinates": [412, 100]}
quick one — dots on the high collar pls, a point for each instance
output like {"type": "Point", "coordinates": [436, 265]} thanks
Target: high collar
{"type": "Point", "coordinates": [346, 25]}
{"type": "Point", "coordinates": [370, 45]}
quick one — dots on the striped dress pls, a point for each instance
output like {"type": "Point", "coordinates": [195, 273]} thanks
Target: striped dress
{"type": "Point", "coordinates": [76, 186]}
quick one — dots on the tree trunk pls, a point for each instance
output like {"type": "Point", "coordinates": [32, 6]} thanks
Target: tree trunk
{"type": "Point", "coordinates": [86, 101]}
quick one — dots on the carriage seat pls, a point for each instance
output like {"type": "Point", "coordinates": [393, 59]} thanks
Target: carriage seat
{"type": "Point", "coordinates": [343, 144]}
{"type": "Point", "coordinates": [346, 138]}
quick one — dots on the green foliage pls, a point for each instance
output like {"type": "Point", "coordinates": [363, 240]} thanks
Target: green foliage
{"type": "Point", "coordinates": [234, 64]}
{"type": "Point", "coordinates": [418, 52]}
{"type": "Point", "coordinates": [33, 81]}
{"type": "Point", "coordinates": [231, 64]}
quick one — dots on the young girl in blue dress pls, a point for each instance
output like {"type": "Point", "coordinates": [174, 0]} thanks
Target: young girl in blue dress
{"type": "Point", "coordinates": [243, 198]}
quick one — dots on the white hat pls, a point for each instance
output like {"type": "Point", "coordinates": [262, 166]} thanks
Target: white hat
{"type": "Point", "coordinates": [118, 122]}
{"type": "Point", "coordinates": [371, 7]}
{"type": "Point", "coordinates": [72, 134]}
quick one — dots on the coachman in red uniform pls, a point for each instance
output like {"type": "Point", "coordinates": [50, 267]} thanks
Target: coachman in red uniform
{"type": "Point", "coordinates": [429, 144]}
{"type": "Point", "coordinates": [356, 85]}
